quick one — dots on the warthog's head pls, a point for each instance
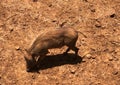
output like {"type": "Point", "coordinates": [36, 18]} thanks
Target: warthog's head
{"type": "Point", "coordinates": [30, 62]}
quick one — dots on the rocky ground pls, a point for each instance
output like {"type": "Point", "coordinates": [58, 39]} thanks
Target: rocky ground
{"type": "Point", "coordinates": [98, 62]}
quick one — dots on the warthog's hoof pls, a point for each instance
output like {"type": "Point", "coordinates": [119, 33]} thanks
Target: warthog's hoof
{"type": "Point", "coordinates": [28, 70]}
{"type": "Point", "coordinates": [65, 53]}
{"type": "Point", "coordinates": [32, 70]}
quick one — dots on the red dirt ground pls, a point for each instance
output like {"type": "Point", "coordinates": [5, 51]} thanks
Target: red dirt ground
{"type": "Point", "coordinates": [21, 21]}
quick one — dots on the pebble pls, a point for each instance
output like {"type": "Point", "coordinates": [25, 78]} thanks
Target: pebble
{"type": "Point", "coordinates": [93, 10]}
{"type": "Point", "coordinates": [98, 25]}
{"type": "Point", "coordinates": [89, 56]}
{"type": "Point", "coordinates": [11, 29]}
{"type": "Point", "coordinates": [33, 77]}
{"type": "Point", "coordinates": [115, 72]}
{"type": "Point", "coordinates": [17, 48]}
{"type": "Point", "coordinates": [112, 15]}
{"type": "Point", "coordinates": [110, 58]}
{"type": "Point", "coordinates": [73, 71]}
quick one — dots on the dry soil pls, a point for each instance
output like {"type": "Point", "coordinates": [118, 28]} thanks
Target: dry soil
{"type": "Point", "coordinates": [98, 62]}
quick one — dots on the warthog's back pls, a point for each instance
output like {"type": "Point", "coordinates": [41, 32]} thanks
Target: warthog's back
{"type": "Point", "coordinates": [53, 38]}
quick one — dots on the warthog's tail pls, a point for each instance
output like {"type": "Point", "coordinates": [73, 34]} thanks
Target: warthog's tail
{"type": "Point", "coordinates": [82, 34]}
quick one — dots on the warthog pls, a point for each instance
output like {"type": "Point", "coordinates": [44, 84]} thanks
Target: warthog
{"type": "Point", "coordinates": [53, 38]}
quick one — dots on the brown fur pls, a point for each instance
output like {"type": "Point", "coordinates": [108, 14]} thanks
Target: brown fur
{"type": "Point", "coordinates": [53, 38]}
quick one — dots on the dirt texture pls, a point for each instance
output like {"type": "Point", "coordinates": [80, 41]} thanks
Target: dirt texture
{"type": "Point", "coordinates": [98, 62]}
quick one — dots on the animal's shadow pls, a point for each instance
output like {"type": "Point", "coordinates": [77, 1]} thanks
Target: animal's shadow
{"type": "Point", "coordinates": [58, 60]}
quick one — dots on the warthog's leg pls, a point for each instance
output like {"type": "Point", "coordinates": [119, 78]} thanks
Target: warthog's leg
{"type": "Point", "coordinates": [72, 48]}
{"type": "Point", "coordinates": [41, 57]}
{"type": "Point", "coordinates": [71, 45]}
{"type": "Point", "coordinates": [75, 49]}
{"type": "Point", "coordinates": [68, 49]}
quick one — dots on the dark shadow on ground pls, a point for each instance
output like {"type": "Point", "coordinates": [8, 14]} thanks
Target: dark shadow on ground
{"type": "Point", "coordinates": [58, 60]}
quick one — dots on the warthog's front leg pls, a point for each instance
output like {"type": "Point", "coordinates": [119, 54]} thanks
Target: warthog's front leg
{"type": "Point", "coordinates": [40, 58]}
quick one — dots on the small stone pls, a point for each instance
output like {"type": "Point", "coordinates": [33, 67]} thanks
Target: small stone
{"type": "Point", "coordinates": [116, 59]}
{"type": "Point", "coordinates": [88, 56]}
{"type": "Point", "coordinates": [63, 23]}
{"type": "Point", "coordinates": [11, 29]}
{"type": "Point", "coordinates": [33, 77]}
{"type": "Point", "coordinates": [110, 59]}
{"type": "Point", "coordinates": [17, 48]}
{"type": "Point", "coordinates": [112, 16]}
{"type": "Point", "coordinates": [54, 21]}
{"type": "Point", "coordinates": [50, 5]}
{"type": "Point", "coordinates": [93, 10]}
{"type": "Point", "coordinates": [83, 60]}
{"type": "Point", "coordinates": [115, 73]}
{"type": "Point", "coordinates": [73, 71]}
{"type": "Point", "coordinates": [98, 25]}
